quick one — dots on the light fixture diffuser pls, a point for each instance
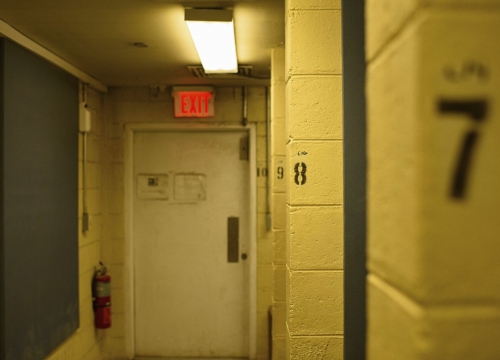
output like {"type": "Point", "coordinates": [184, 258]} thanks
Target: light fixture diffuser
{"type": "Point", "coordinates": [212, 31]}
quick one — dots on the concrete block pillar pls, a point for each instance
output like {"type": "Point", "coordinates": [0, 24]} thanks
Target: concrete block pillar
{"type": "Point", "coordinates": [314, 185]}
{"type": "Point", "coordinates": [278, 181]}
{"type": "Point", "coordinates": [434, 175]}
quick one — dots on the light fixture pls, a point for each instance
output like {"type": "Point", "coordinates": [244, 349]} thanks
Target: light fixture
{"type": "Point", "coordinates": [212, 31]}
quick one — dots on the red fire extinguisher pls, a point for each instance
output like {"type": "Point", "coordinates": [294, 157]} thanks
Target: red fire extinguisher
{"type": "Point", "coordinates": [101, 297]}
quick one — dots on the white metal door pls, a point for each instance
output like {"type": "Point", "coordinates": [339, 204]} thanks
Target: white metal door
{"type": "Point", "coordinates": [189, 189]}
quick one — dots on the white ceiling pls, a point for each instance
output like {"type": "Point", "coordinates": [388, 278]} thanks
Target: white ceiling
{"type": "Point", "coordinates": [98, 36]}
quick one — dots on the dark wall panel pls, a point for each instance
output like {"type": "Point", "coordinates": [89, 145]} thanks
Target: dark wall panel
{"type": "Point", "coordinates": [354, 68]}
{"type": "Point", "coordinates": [39, 205]}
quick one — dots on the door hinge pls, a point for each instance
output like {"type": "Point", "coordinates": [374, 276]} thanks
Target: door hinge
{"type": "Point", "coordinates": [244, 148]}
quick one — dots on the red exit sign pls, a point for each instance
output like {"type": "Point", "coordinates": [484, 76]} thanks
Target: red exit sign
{"type": "Point", "coordinates": [194, 102]}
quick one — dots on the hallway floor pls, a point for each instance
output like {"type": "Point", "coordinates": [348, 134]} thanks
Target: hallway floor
{"type": "Point", "coordinates": [184, 358]}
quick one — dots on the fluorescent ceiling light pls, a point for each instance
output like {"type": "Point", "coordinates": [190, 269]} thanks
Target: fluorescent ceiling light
{"type": "Point", "coordinates": [212, 31]}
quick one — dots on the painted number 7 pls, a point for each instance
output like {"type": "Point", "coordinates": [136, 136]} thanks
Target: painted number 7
{"type": "Point", "coordinates": [476, 111]}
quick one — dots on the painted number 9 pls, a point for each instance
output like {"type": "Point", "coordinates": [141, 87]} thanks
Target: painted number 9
{"type": "Point", "coordinates": [281, 172]}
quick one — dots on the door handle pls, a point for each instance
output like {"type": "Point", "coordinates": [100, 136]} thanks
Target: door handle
{"type": "Point", "coordinates": [233, 243]}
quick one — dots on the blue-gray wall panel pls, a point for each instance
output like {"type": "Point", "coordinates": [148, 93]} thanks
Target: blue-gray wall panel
{"type": "Point", "coordinates": [39, 200]}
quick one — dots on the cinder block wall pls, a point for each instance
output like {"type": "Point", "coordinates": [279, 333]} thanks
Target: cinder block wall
{"type": "Point", "coordinates": [314, 188]}
{"type": "Point", "coordinates": [278, 186]}
{"type": "Point", "coordinates": [113, 245]}
{"type": "Point", "coordinates": [434, 200]}
{"type": "Point", "coordinates": [87, 342]}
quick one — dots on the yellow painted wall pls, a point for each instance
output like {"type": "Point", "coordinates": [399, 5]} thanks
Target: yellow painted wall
{"type": "Point", "coordinates": [433, 286]}
{"type": "Point", "coordinates": [314, 213]}
{"type": "Point", "coordinates": [278, 186]}
{"type": "Point", "coordinates": [144, 105]}
{"type": "Point", "coordinates": [86, 343]}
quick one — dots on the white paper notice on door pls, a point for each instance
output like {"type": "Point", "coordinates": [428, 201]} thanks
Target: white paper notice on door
{"type": "Point", "coordinates": [190, 187]}
{"type": "Point", "coordinates": [152, 187]}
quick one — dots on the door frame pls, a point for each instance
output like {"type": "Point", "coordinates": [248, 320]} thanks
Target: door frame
{"type": "Point", "coordinates": [130, 130]}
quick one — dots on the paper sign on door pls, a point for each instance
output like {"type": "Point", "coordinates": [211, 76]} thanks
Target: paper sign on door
{"type": "Point", "coordinates": [152, 187]}
{"type": "Point", "coordinates": [190, 187]}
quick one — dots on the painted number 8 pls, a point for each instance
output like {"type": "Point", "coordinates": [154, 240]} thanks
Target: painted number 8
{"type": "Point", "coordinates": [300, 176]}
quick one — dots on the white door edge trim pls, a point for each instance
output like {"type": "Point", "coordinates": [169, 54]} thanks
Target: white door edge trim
{"type": "Point", "coordinates": [130, 129]}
